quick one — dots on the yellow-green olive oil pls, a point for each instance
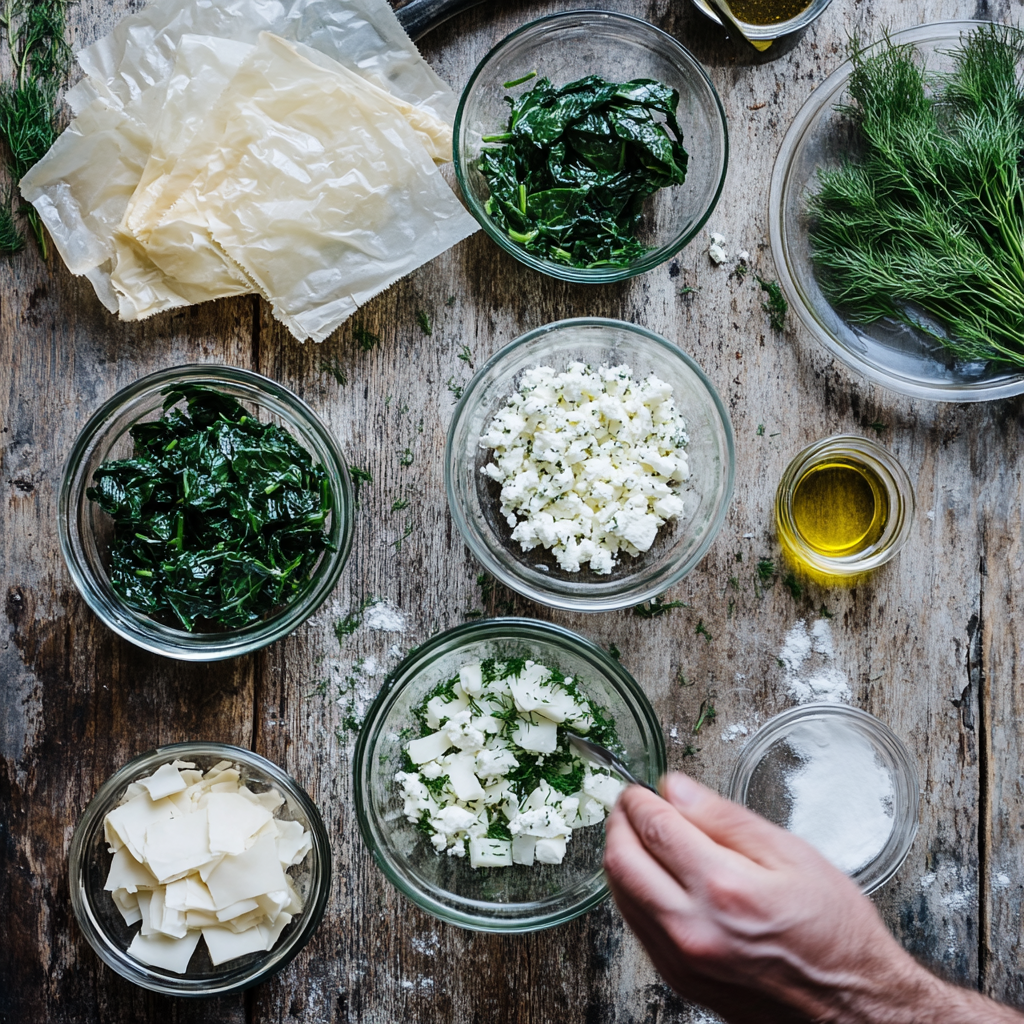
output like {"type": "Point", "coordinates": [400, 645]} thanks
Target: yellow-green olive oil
{"type": "Point", "coordinates": [840, 508]}
{"type": "Point", "coordinates": [767, 12]}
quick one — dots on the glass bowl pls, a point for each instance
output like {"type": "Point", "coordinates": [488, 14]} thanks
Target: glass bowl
{"type": "Point", "coordinates": [761, 777]}
{"type": "Point", "coordinates": [518, 898]}
{"type": "Point", "coordinates": [569, 46]}
{"type": "Point", "coordinates": [893, 355]}
{"type": "Point", "coordinates": [86, 531]}
{"type": "Point", "coordinates": [892, 478]}
{"type": "Point", "coordinates": [681, 543]}
{"type": "Point", "coordinates": [776, 29]}
{"type": "Point", "coordinates": [102, 924]}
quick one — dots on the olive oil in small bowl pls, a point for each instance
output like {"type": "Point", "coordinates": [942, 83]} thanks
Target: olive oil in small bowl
{"type": "Point", "coordinates": [844, 507]}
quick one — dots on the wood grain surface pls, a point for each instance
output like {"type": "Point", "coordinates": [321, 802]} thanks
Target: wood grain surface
{"type": "Point", "coordinates": [930, 644]}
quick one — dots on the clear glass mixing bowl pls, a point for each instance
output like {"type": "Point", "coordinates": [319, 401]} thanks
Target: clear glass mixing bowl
{"type": "Point", "coordinates": [517, 898]}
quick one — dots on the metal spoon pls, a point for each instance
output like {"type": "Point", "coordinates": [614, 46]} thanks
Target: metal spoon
{"type": "Point", "coordinates": [723, 8]}
{"type": "Point", "coordinates": [604, 757]}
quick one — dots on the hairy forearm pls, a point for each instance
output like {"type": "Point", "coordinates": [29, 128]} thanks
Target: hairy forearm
{"type": "Point", "coordinates": [917, 997]}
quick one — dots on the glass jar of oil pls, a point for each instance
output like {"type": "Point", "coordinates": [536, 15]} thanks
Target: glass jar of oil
{"type": "Point", "coordinates": [844, 507]}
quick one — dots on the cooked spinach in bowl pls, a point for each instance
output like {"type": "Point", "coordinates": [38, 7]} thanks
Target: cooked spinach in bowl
{"type": "Point", "coordinates": [576, 163]}
{"type": "Point", "coordinates": [218, 518]}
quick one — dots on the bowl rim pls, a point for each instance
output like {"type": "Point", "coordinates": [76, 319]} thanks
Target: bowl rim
{"type": "Point", "coordinates": [826, 93]}
{"type": "Point", "coordinates": [137, 972]}
{"type": "Point", "coordinates": [408, 670]}
{"type": "Point", "coordinates": [579, 275]}
{"type": "Point", "coordinates": [540, 593]}
{"type": "Point", "coordinates": [167, 641]}
{"type": "Point", "coordinates": [755, 748]}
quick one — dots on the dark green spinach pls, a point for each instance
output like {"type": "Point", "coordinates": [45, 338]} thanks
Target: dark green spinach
{"type": "Point", "coordinates": [218, 518]}
{"type": "Point", "coordinates": [577, 163]}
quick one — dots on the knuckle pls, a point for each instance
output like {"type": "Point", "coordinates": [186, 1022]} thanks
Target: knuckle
{"type": "Point", "coordinates": [657, 831]}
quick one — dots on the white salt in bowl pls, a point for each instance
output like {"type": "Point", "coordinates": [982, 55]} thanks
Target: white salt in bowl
{"type": "Point", "coordinates": [839, 778]}
{"type": "Point", "coordinates": [105, 929]}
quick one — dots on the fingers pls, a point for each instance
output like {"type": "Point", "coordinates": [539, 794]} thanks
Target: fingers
{"type": "Point", "coordinates": [667, 837]}
{"type": "Point", "coordinates": [729, 824]}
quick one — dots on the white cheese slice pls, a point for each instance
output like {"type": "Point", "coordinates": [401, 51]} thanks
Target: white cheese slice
{"type": "Point", "coordinates": [163, 782]}
{"type": "Point", "coordinates": [429, 748]}
{"type": "Point", "coordinates": [127, 904]}
{"type": "Point", "coordinates": [225, 944]}
{"type": "Point", "coordinates": [253, 873]}
{"type": "Point", "coordinates": [293, 842]}
{"type": "Point", "coordinates": [164, 952]}
{"type": "Point", "coordinates": [177, 846]}
{"type": "Point", "coordinates": [550, 851]}
{"type": "Point", "coordinates": [523, 850]}
{"type": "Point", "coordinates": [471, 678]}
{"type": "Point", "coordinates": [462, 777]}
{"type": "Point", "coordinates": [127, 873]}
{"type": "Point", "coordinates": [233, 820]}
{"type": "Point", "coordinates": [145, 898]}
{"type": "Point", "coordinates": [440, 709]}
{"type": "Point", "coordinates": [201, 918]}
{"type": "Point", "coordinates": [541, 737]}
{"type": "Point", "coordinates": [490, 853]}
{"type": "Point", "coordinates": [197, 896]}
{"type": "Point", "coordinates": [272, 932]}
{"type": "Point", "coordinates": [131, 820]}
{"type": "Point", "coordinates": [604, 789]}
{"type": "Point", "coordinates": [237, 910]}
{"type": "Point", "coordinates": [176, 894]}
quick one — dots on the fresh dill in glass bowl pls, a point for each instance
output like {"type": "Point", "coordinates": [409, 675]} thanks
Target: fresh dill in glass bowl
{"type": "Point", "coordinates": [856, 263]}
{"type": "Point", "coordinates": [591, 146]}
{"type": "Point", "coordinates": [205, 512]}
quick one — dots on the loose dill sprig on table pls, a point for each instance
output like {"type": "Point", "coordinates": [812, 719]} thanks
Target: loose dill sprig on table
{"type": "Point", "coordinates": [40, 57]}
{"type": "Point", "coordinates": [926, 226]}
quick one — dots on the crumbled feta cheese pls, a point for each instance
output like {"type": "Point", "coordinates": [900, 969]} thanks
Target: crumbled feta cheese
{"type": "Point", "coordinates": [717, 249]}
{"type": "Point", "coordinates": [466, 792]}
{"type": "Point", "coordinates": [590, 463]}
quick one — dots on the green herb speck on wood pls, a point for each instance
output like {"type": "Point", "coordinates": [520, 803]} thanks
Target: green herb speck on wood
{"type": "Point", "coordinates": [423, 319]}
{"type": "Point", "coordinates": [359, 477]}
{"type": "Point", "coordinates": [399, 504]}
{"type": "Point", "coordinates": [652, 609]}
{"type": "Point", "coordinates": [705, 715]}
{"type": "Point", "coordinates": [219, 519]}
{"type": "Point", "coordinates": [335, 371]}
{"type": "Point", "coordinates": [702, 630]}
{"type": "Point", "coordinates": [776, 306]}
{"type": "Point", "coordinates": [365, 339]}
{"type": "Point", "coordinates": [793, 585]}
{"type": "Point", "coordinates": [39, 59]}
{"type": "Point", "coordinates": [765, 569]}
{"type": "Point", "coordinates": [405, 457]}
{"type": "Point", "coordinates": [571, 168]}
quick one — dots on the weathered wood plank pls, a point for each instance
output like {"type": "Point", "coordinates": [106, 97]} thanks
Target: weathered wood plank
{"type": "Point", "coordinates": [928, 630]}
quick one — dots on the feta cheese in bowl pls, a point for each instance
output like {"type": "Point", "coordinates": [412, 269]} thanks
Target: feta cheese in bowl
{"type": "Point", "coordinates": [468, 835]}
{"type": "Point", "coordinates": [199, 869]}
{"type": "Point", "coordinates": [589, 465]}
{"type": "Point", "coordinates": [589, 461]}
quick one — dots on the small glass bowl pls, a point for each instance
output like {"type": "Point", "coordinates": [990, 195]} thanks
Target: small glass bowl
{"type": "Point", "coordinates": [569, 46]}
{"type": "Point", "coordinates": [102, 924]}
{"type": "Point", "coordinates": [891, 354]}
{"type": "Point", "coordinates": [86, 531]}
{"type": "Point", "coordinates": [517, 898]}
{"type": "Point", "coordinates": [899, 494]}
{"type": "Point", "coordinates": [759, 780]}
{"type": "Point", "coordinates": [775, 30]}
{"type": "Point", "coordinates": [474, 499]}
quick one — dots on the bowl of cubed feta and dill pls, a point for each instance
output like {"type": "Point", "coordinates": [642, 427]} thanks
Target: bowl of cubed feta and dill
{"type": "Point", "coordinates": [591, 146]}
{"type": "Point", "coordinates": [469, 794]}
{"type": "Point", "coordinates": [590, 465]}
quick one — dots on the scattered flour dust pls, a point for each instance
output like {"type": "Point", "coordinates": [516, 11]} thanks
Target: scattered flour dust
{"type": "Point", "coordinates": [382, 615]}
{"type": "Point", "coordinates": [735, 731]}
{"type": "Point", "coordinates": [808, 660]}
{"type": "Point", "coordinates": [842, 797]}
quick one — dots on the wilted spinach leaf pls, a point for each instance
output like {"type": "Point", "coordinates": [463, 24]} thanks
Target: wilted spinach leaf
{"type": "Point", "coordinates": [569, 182]}
{"type": "Point", "coordinates": [218, 518]}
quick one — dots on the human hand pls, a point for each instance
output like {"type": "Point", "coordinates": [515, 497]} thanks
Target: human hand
{"type": "Point", "coordinates": [751, 921]}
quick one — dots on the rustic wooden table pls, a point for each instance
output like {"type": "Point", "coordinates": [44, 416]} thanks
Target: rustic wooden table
{"type": "Point", "coordinates": [930, 645]}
